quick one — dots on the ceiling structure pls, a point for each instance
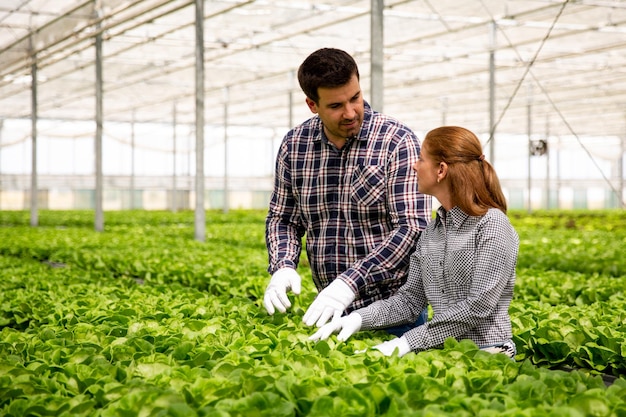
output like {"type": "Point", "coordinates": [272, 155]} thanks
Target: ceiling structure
{"type": "Point", "coordinates": [559, 64]}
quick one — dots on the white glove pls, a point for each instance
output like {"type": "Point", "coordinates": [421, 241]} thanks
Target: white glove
{"type": "Point", "coordinates": [276, 292]}
{"type": "Point", "coordinates": [329, 303]}
{"type": "Point", "coordinates": [348, 325]}
{"type": "Point", "coordinates": [400, 343]}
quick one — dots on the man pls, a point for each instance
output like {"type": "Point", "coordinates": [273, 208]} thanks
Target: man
{"type": "Point", "coordinates": [344, 179]}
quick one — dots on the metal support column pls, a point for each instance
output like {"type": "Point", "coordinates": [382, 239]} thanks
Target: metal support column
{"type": "Point", "coordinates": [292, 82]}
{"type": "Point", "coordinates": [548, 173]}
{"type": "Point", "coordinates": [529, 133]}
{"type": "Point", "coordinates": [34, 192]}
{"type": "Point", "coordinates": [1, 185]}
{"type": "Point", "coordinates": [132, 163]}
{"type": "Point", "coordinates": [377, 56]}
{"type": "Point", "coordinates": [620, 171]}
{"type": "Point", "coordinates": [200, 214]}
{"type": "Point", "coordinates": [99, 219]}
{"type": "Point", "coordinates": [557, 175]}
{"type": "Point", "coordinates": [226, 191]}
{"type": "Point", "coordinates": [174, 185]}
{"type": "Point", "coordinates": [492, 92]}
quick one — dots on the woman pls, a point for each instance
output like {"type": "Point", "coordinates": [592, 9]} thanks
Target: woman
{"type": "Point", "coordinates": [464, 262]}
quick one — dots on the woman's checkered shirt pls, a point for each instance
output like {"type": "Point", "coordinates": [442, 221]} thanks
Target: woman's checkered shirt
{"type": "Point", "coordinates": [464, 267]}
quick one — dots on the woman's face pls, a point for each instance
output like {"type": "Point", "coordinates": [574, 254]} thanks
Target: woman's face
{"type": "Point", "coordinates": [427, 171]}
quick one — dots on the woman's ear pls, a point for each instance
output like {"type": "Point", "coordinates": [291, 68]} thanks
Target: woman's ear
{"type": "Point", "coordinates": [442, 171]}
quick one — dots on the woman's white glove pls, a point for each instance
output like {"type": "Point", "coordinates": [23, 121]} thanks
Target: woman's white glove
{"type": "Point", "coordinates": [387, 348]}
{"type": "Point", "coordinates": [348, 325]}
{"type": "Point", "coordinates": [276, 292]}
{"type": "Point", "coordinates": [330, 303]}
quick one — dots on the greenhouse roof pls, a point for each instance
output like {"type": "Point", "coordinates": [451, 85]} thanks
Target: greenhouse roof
{"type": "Point", "coordinates": [559, 67]}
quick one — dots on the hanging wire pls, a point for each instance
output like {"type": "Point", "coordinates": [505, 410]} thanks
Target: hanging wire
{"type": "Point", "coordinates": [441, 19]}
{"type": "Point", "coordinates": [528, 66]}
{"type": "Point", "coordinates": [545, 92]}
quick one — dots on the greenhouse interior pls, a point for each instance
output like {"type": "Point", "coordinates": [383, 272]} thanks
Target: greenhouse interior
{"type": "Point", "coordinates": [101, 100]}
{"type": "Point", "coordinates": [166, 117]}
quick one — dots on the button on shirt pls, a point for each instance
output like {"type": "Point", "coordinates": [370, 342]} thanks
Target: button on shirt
{"type": "Point", "coordinates": [464, 266]}
{"type": "Point", "coordinates": [358, 206]}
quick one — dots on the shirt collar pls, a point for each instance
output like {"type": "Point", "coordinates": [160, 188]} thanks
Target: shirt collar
{"type": "Point", "coordinates": [454, 216]}
{"type": "Point", "coordinates": [367, 121]}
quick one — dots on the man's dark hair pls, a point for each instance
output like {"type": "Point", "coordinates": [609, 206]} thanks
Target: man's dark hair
{"type": "Point", "coordinates": [326, 68]}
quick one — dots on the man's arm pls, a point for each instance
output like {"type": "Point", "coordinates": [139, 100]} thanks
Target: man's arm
{"type": "Point", "coordinates": [283, 240]}
{"type": "Point", "coordinates": [283, 231]}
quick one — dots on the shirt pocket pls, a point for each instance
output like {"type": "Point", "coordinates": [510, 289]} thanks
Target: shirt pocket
{"type": "Point", "coordinates": [368, 185]}
{"type": "Point", "coordinates": [460, 265]}
{"type": "Point", "coordinates": [428, 267]}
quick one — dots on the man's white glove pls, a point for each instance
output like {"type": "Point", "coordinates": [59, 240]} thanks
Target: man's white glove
{"type": "Point", "coordinates": [387, 348]}
{"type": "Point", "coordinates": [329, 303]}
{"type": "Point", "coordinates": [348, 325]}
{"type": "Point", "coordinates": [276, 292]}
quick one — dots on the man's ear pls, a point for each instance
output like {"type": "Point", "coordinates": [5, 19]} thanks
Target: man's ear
{"type": "Point", "coordinates": [312, 105]}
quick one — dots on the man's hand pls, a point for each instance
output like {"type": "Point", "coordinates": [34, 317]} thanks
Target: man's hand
{"type": "Point", "coordinates": [329, 303]}
{"type": "Point", "coordinates": [283, 280]}
{"type": "Point", "coordinates": [348, 325]}
{"type": "Point", "coordinates": [400, 343]}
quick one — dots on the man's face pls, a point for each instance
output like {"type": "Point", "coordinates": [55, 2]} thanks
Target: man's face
{"type": "Point", "coordinates": [341, 109]}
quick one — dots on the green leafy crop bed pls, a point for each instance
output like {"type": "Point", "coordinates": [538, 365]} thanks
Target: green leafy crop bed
{"type": "Point", "coordinates": [142, 320]}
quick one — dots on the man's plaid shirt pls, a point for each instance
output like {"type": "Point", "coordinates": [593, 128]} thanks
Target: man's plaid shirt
{"type": "Point", "coordinates": [359, 206]}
